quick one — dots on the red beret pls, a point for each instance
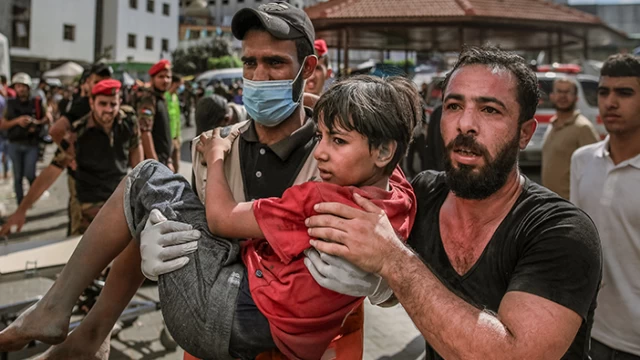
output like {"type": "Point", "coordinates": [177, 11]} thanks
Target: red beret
{"type": "Point", "coordinates": [321, 47]}
{"type": "Point", "coordinates": [106, 87]}
{"type": "Point", "coordinates": [163, 64]}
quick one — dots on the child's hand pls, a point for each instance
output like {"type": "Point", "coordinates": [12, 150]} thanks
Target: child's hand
{"type": "Point", "coordinates": [215, 147]}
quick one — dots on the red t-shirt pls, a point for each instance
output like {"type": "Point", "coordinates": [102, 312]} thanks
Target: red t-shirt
{"type": "Point", "coordinates": [303, 316]}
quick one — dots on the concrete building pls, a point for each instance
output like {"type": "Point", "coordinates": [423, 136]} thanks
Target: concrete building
{"type": "Point", "coordinates": [45, 33]}
{"type": "Point", "coordinates": [138, 33]}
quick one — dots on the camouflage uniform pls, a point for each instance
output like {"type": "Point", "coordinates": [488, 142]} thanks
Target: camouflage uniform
{"type": "Point", "coordinates": [87, 210]}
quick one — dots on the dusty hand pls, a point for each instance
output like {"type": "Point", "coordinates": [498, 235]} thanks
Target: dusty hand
{"type": "Point", "coordinates": [339, 275]}
{"type": "Point", "coordinates": [17, 219]}
{"type": "Point", "coordinates": [214, 147]}
{"type": "Point", "coordinates": [363, 237]}
{"type": "Point", "coordinates": [164, 245]}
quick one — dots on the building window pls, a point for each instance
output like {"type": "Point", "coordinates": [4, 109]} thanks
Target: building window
{"type": "Point", "coordinates": [151, 5]}
{"type": "Point", "coordinates": [165, 9]}
{"type": "Point", "coordinates": [225, 2]}
{"type": "Point", "coordinates": [165, 44]}
{"type": "Point", "coordinates": [69, 32]}
{"type": "Point", "coordinates": [212, 2]}
{"type": "Point", "coordinates": [133, 4]}
{"type": "Point", "coordinates": [240, 1]}
{"type": "Point", "coordinates": [131, 41]}
{"type": "Point", "coordinates": [148, 43]}
{"type": "Point", "coordinates": [21, 25]}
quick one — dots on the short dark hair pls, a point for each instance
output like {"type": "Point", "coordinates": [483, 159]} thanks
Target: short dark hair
{"type": "Point", "coordinates": [210, 113]}
{"type": "Point", "coordinates": [381, 109]}
{"type": "Point", "coordinates": [175, 78]}
{"type": "Point", "coordinates": [303, 48]}
{"type": "Point", "coordinates": [493, 57]}
{"type": "Point", "coordinates": [3, 79]}
{"type": "Point", "coordinates": [620, 65]}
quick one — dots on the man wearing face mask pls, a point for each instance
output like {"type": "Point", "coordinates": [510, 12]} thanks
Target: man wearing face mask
{"type": "Point", "coordinates": [274, 149]}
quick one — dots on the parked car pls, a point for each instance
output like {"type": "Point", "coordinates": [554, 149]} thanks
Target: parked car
{"type": "Point", "coordinates": [227, 76]}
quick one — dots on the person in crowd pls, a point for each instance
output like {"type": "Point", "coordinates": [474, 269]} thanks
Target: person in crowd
{"type": "Point", "coordinates": [173, 106]}
{"type": "Point", "coordinates": [23, 120]}
{"type": "Point", "coordinates": [153, 115]}
{"type": "Point", "coordinates": [604, 183]}
{"type": "Point", "coordinates": [567, 131]}
{"type": "Point", "coordinates": [315, 86]}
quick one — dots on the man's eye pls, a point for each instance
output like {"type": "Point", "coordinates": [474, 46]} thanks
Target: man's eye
{"type": "Point", "coordinates": [453, 106]}
{"type": "Point", "coordinates": [339, 141]}
{"type": "Point", "coordinates": [491, 110]}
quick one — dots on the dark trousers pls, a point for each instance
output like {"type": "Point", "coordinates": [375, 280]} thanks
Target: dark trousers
{"type": "Point", "coordinates": [600, 351]}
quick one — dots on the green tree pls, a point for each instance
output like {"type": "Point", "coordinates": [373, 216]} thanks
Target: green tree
{"type": "Point", "coordinates": [194, 60]}
{"type": "Point", "coordinates": [224, 62]}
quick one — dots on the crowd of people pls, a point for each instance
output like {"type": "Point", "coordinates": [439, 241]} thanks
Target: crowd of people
{"type": "Point", "coordinates": [487, 263]}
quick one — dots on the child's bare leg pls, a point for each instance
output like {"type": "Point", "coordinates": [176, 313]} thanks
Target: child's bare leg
{"type": "Point", "coordinates": [90, 337]}
{"type": "Point", "coordinates": [48, 320]}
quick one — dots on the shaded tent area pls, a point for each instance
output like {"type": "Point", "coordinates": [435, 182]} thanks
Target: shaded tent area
{"type": "Point", "coordinates": [67, 72]}
{"type": "Point", "coordinates": [446, 25]}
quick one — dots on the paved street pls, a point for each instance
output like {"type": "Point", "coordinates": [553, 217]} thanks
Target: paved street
{"type": "Point", "coordinates": [389, 334]}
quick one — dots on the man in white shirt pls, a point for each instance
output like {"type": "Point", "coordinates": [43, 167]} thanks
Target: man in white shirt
{"type": "Point", "coordinates": [605, 182]}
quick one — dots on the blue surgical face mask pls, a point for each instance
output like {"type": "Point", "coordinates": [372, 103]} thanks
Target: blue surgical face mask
{"type": "Point", "coordinates": [271, 102]}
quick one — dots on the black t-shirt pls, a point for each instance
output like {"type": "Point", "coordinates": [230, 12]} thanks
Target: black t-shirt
{"type": "Point", "coordinates": [103, 159]}
{"type": "Point", "coordinates": [29, 135]}
{"type": "Point", "coordinates": [545, 246]}
{"type": "Point", "coordinates": [161, 131]}
{"type": "Point", "coordinates": [79, 108]}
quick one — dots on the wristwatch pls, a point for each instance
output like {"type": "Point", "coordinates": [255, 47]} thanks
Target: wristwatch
{"type": "Point", "coordinates": [64, 144]}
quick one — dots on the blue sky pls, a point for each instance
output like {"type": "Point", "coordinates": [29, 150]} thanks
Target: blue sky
{"type": "Point", "coordinates": [590, 2]}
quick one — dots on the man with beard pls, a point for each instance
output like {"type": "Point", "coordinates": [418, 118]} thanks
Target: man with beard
{"type": "Point", "coordinates": [108, 143]}
{"type": "Point", "coordinates": [604, 183]}
{"type": "Point", "coordinates": [568, 131]}
{"type": "Point", "coordinates": [153, 115]}
{"type": "Point", "coordinates": [501, 267]}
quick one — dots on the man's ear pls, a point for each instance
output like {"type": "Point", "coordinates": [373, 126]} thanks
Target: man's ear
{"type": "Point", "coordinates": [309, 65]}
{"type": "Point", "coordinates": [385, 153]}
{"type": "Point", "coordinates": [527, 130]}
{"type": "Point", "coordinates": [329, 73]}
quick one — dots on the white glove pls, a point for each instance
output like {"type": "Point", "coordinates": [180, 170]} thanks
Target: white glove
{"type": "Point", "coordinates": [337, 274]}
{"type": "Point", "coordinates": [164, 245]}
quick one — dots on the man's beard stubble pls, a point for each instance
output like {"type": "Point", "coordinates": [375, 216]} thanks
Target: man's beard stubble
{"type": "Point", "coordinates": [490, 178]}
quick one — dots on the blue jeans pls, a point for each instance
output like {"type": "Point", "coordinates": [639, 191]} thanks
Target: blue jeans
{"type": "Point", "coordinates": [205, 306]}
{"type": "Point", "coordinates": [24, 158]}
{"type": "Point", "coordinates": [600, 351]}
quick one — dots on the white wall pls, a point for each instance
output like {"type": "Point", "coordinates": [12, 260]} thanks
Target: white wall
{"type": "Point", "coordinates": [121, 20]}
{"type": "Point", "coordinates": [47, 28]}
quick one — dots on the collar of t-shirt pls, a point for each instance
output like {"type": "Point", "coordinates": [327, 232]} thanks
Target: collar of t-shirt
{"type": "Point", "coordinates": [572, 120]}
{"type": "Point", "coordinates": [285, 147]}
{"type": "Point", "coordinates": [603, 152]}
